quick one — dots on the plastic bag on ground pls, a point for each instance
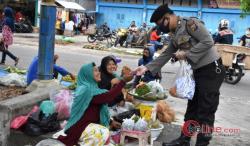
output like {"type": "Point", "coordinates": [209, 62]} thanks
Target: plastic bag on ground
{"type": "Point", "coordinates": [13, 79]}
{"type": "Point", "coordinates": [63, 100]}
{"type": "Point", "coordinates": [47, 107]}
{"type": "Point", "coordinates": [19, 121]}
{"type": "Point", "coordinates": [184, 85]}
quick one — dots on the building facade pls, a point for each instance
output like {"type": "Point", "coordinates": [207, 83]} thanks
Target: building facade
{"type": "Point", "coordinates": [119, 13]}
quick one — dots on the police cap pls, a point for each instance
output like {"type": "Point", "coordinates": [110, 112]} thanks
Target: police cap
{"type": "Point", "coordinates": [160, 12]}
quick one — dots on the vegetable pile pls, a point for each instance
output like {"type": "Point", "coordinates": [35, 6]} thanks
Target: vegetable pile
{"type": "Point", "coordinates": [142, 90]}
{"type": "Point", "coordinates": [15, 70]}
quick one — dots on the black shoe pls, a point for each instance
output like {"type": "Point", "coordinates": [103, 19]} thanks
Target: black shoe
{"type": "Point", "coordinates": [16, 61]}
{"type": "Point", "coordinates": [181, 141]}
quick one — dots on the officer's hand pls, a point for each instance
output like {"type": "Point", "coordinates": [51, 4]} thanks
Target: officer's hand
{"type": "Point", "coordinates": [180, 55]}
{"type": "Point", "coordinates": [139, 71]}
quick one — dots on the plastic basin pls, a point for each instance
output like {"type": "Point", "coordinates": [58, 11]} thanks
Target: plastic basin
{"type": "Point", "coordinates": [156, 132]}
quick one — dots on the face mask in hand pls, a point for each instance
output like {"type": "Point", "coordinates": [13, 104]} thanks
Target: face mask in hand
{"type": "Point", "coordinates": [163, 28]}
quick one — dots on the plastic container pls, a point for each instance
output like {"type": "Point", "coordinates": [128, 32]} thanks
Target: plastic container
{"type": "Point", "coordinates": [156, 132]}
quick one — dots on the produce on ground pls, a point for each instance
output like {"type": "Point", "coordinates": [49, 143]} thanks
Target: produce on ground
{"type": "Point", "coordinates": [15, 70]}
{"type": "Point", "coordinates": [95, 46]}
{"type": "Point", "coordinates": [67, 78]}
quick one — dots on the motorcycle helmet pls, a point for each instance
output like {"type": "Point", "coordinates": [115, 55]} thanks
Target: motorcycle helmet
{"type": "Point", "coordinates": [224, 23]}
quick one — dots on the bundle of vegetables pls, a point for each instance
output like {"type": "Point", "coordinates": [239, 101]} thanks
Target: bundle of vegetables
{"type": "Point", "coordinates": [15, 70]}
{"type": "Point", "coordinates": [67, 78]}
{"type": "Point", "coordinates": [153, 124]}
{"type": "Point", "coordinates": [142, 89]}
{"type": "Point", "coordinates": [149, 91]}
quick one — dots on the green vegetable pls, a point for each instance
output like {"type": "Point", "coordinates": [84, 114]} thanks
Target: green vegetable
{"type": "Point", "coordinates": [142, 90]}
{"type": "Point", "coordinates": [135, 118]}
{"type": "Point", "coordinates": [15, 70]}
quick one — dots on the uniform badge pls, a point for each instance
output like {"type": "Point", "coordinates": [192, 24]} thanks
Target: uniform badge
{"type": "Point", "coordinates": [192, 25]}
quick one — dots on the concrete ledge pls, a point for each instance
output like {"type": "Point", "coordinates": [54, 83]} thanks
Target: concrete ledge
{"type": "Point", "coordinates": [20, 105]}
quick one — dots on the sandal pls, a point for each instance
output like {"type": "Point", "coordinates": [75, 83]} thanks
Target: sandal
{"type": "Point", "coordinates": [16, 61]}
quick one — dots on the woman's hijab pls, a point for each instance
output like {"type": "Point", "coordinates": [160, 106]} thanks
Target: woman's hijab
{"type": "Point", "coordinates": [86, 89]}
{"type": "Point", "coordinates": [8, 18]}
{"type": "Point", "coordinates": [106, 77]}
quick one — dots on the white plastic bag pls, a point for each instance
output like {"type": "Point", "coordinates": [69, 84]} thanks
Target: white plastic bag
{"type": "Point", "coordinates": [128, 124]}
{"type": "Point", "coordinates": [13, 79]}
{"type": "Point", "coordinates": [156, 89]}
{"type": "Point", "coordinates": [141, 125]}
{"type": "Point", "coordinates": [184, 82]}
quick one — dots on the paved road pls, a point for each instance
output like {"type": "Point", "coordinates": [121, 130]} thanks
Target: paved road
{"type": "Point", "coordinates": [233, 111]}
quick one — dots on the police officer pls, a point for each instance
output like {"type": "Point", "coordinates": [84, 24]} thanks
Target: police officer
{"type": "Point", "coordinates": [192, 42]}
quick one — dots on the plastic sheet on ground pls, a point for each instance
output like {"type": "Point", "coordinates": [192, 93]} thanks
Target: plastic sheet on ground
{"type": "Point", "coordinates": [3, 73]}
{"type": "Point", "coordinates": [13, 79]}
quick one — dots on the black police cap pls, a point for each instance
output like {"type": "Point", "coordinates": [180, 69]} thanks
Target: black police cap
{"type": "Point", "coordinates": [160, 12]}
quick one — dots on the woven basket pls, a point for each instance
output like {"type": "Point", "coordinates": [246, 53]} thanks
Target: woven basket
{"type": "Point", "coordinates": [228, 52]}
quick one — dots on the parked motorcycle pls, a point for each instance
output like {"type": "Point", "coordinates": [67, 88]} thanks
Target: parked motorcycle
{"type": "Point", "coordinates": [236, 72]}
{"type": "Point", "coordinates": [24, 26]}
{"type": "Point", "coordinates": [101, 35]}
{"type": "Point", "coordinates": [121, 36]}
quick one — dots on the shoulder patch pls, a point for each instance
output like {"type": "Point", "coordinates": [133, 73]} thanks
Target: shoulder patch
{"type": "Point", "coordinates": [192, 25]}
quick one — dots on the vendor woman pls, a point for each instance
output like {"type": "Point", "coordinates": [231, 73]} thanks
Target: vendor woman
{"type": "Point", "coordinates": [90, 104]}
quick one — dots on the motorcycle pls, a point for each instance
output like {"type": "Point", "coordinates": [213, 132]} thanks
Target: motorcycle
{"type": "Point", "coordinates": [101, 35]}
{"type": "Point", "coordinates": [236, 72]}
{"type": "Point", "coordinates": [121, 36]}
{"type": "Point", "coordinates": [24, 26]}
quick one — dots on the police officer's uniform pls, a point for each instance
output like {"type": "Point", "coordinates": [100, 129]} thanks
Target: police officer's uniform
{"type": "Point", "coordinates": [192, 37]}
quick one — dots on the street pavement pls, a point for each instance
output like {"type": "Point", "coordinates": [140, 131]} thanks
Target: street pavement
{"type": "Point", "coordinates": [233, 111]}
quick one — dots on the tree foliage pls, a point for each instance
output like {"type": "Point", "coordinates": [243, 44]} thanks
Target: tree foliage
{"type": "Point", "coordinates": [245, 7]}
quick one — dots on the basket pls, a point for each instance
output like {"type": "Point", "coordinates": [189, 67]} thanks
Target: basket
{"type": "Point", "coordinates": [228, 52]}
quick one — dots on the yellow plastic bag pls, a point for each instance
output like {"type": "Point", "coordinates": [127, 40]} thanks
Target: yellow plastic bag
{"type": "Point", "coordinates": [145, 111]}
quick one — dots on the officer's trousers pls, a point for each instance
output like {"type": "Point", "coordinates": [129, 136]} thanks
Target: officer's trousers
{"type": "Point", "coordinates": [204, 104]}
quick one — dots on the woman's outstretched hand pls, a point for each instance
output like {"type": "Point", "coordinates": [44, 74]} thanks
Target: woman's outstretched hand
{"type": "Point", "coordinates": [127, 74]}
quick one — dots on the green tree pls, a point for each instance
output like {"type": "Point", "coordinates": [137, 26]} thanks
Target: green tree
{"type": "Point", "coordinates": [245, 7]}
